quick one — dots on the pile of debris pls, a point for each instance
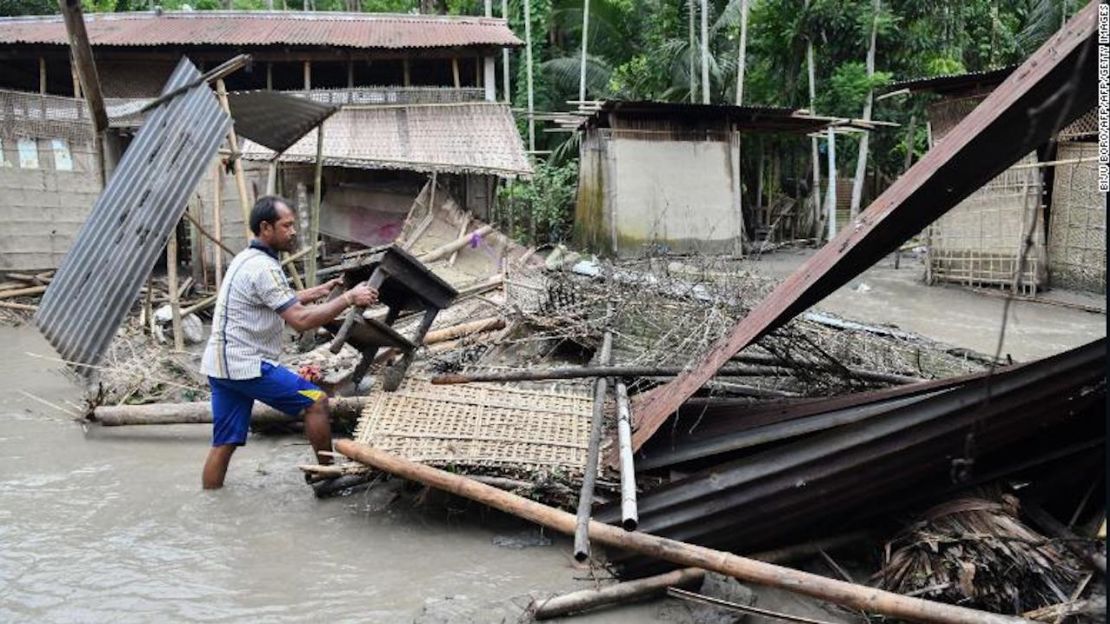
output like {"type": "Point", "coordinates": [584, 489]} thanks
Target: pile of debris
{"type": "Point", "coordinates": [976, 552]}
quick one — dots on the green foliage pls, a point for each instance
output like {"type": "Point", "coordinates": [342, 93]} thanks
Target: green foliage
{"type": "Point", "coordinates": [542, 208]}
{"type": "Point", "coordinates": [848, 88]}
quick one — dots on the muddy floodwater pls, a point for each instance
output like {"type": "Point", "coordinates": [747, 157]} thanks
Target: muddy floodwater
{"type": "Point", "coordinates": [110, 525]}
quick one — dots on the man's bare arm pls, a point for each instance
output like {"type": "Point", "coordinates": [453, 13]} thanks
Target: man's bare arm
{"type": "Point", "coordinates": [303, 317]}
{"type": "Point", "coordinates": [308, 295]}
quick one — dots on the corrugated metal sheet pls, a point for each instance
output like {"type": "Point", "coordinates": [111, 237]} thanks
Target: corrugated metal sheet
{"type": "Point", "coordinates": [472, 137]}
{"type": "Point", "coordinates": [886, 459]}
{"type": "Point", "coordinates": [1057, 82]}
{"type": "Point", "coordinates": [286, 28]}
{"type": "Point", "coordinates": [750, 118]}
{"type": "Point", "coordinates": [102, 273]}
{"type": "Point", "coordinates": [274, 119]}
{"type": "Point", "coordinates": [953, 82]}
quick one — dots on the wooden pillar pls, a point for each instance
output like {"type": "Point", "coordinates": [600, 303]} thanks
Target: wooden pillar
{"type": "Point", "coordinates": [42, 76]}
{"type": "Point", "coordinates": [350, 74]}
{"type": "Point", "coordinates": [408, 76]}
{"type": "Point", "coordinates": [76, 79]}
{"type": "Point", "coordinates": [171, 278]}
{"type": "Point", "coordinates": [308, 75]}
{"type": "Point", "coordinates": [82, 53]}
{"type": "Point", "coordinates": [237, 165]}
{"type": "Point", "coordinates": [314, 218]}
{"type": "Point", "coordinates": [489, 78]}
{"type": "Point", "coordinates": [217, 223]}
{"type": "Point", "coordinates": [269, 76]}
{"type": "Point", "coordinates": [455, 72]}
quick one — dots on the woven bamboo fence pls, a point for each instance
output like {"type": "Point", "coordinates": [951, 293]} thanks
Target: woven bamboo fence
{"type": "Point", "coordinates": [1077, 226]}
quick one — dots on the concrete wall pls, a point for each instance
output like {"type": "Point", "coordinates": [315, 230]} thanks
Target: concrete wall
{"type": "Point", "coordinates": [672, 196]}
{"type": "Point", "coordinates": [43, 207]}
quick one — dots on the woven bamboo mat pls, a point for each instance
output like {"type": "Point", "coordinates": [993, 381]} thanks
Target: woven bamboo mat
{"type": "Point", "coordinates": [481, 426]}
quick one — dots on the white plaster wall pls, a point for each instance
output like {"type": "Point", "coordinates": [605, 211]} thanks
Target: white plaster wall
{"type": "Point", "coordinates": [675, 195]}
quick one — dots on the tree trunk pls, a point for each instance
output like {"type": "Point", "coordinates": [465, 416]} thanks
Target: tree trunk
{"type": "Point", "coordinates": [861, 158]}
{"type": "Point", "coordinates": [743, 52]}
{"type": "Point", "coordinates": [433, 7]}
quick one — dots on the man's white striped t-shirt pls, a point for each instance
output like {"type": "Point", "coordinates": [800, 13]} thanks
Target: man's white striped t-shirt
{"type": "Point", "coordinates": [246, 325]}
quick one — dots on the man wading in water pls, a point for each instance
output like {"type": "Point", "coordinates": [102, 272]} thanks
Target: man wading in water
{"type": "Point", "coordinates": [240, 360]}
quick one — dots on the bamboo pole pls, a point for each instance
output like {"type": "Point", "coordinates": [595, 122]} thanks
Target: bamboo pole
{"type": "Point", "coordinates": [175, 302]}
{"type": "Point", "coordinates": [18, 306]}
{"type": "Point", "coordinates": [528, 73]}
{"type": "Point", "coordinates": [464, 329]}
{"type": "Point", "coordinates": [462, 230]}
{"type": "Point", "coordinates": [619, 593]}
{"type": "Point", "coordinates": [688, 555]}
{"type": "Point", "coordinates": [237, 164]}
{"type": "Point", "coordinates": [314, 217]}
{"type": "Point", "coordinates": [22, 292]}
{"type": "Point", "coordinates": [589, 478]}
{"type": "Point", "coordinates": [217, 224]}
{"type": "Point", "coordinates": [599, 371]}
{"type": "Point", "coordinates": [447, 249]}
{"type": "Point", "coordinates": [200, 412]}
{"type": "Point", "coordinates": [630, 518]}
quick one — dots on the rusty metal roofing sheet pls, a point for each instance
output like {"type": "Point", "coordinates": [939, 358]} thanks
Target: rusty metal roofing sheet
{"type": "Point", "coordinates": [274, 119]}
{"type": "Point", "coordinates": [468, 137]}
{"type": "Point", "coordinates": [101, 275]}
{"type": "Point", "coordinates": [857, 470]}
{"type": "Point", "coordinates": [1053, 87]}
{"type": "Point", "coordinates": [257, 28]}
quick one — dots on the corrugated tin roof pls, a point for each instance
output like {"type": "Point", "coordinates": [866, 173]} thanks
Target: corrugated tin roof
{"type": "Point", "coordinates": [472, 137]}
{"type": "Point", "coordinates": [129, 224]}
{"type": "Point", "coordinates": [291, 28]}
{"type": "Point", "coordinates": [754, 118]}
{"type": "Point", "coordinates": [275, 119]}
{"type": "Point", "coordinates": [953, 82]}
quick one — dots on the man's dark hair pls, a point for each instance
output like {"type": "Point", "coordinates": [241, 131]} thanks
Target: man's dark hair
{"type": "Point", "coordinates": [265, 211]}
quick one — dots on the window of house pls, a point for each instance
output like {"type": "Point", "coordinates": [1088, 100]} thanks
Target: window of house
{"type": "Point", "coordinates": [63, 160]}
{"type": "Point", "coordinates": [28, 153]}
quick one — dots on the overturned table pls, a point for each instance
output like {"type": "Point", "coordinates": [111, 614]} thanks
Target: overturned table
{"type": "Point", "coordinates": [404, 284]}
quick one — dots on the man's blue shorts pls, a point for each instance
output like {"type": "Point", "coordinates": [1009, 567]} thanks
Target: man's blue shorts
{"type": "Point", "coordinates": [232, 400]}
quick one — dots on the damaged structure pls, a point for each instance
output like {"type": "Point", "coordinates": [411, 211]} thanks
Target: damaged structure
{"type": "Point", "coordinates": [739, 420]}
{"type": "Point", "coordinates": [1048, 195]}
{"type": "Point", "coordinates": [666, 178]}
{"type": "Point", "coordinates": [418, 96]}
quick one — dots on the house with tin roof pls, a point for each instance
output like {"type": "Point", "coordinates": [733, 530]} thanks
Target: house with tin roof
{"type": "Point", "coordinates": [418, 96]}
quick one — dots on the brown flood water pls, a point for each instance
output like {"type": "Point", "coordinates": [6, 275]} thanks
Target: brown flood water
{"type": "Point", "coordinates": [112, 525]}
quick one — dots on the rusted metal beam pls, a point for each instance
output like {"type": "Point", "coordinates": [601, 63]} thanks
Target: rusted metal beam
{"type": "Point", "coordinates": [1052, 88]}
